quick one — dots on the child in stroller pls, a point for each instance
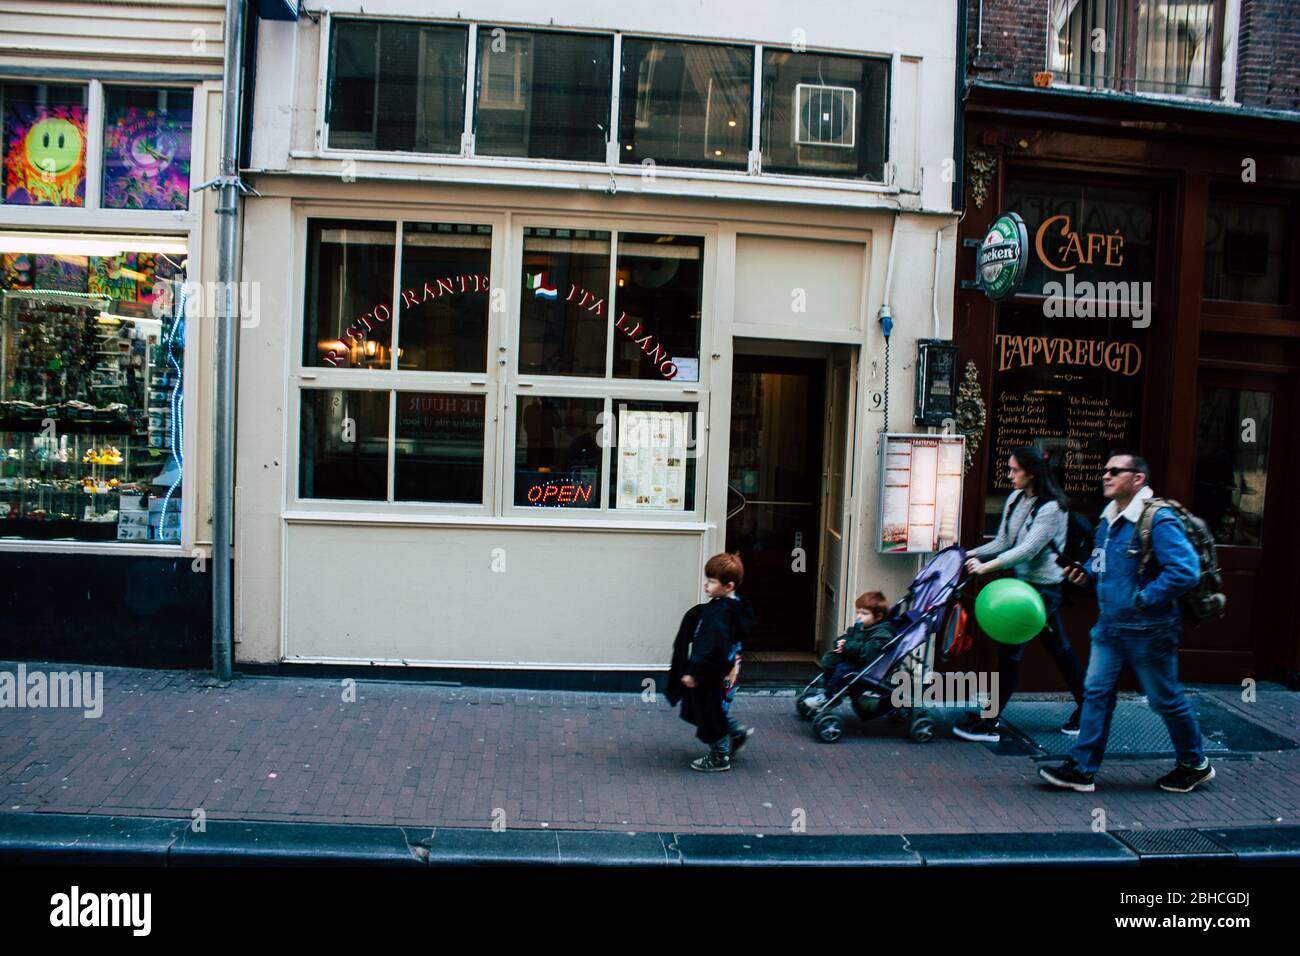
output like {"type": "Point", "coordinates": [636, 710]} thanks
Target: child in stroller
{"type": "Point", "coordinates": [855, 649]}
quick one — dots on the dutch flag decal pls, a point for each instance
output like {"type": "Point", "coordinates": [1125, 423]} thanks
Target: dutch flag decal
{"type": "Point", "coordinates": [537, 282]}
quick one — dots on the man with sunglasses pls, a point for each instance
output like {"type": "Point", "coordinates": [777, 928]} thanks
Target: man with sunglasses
{"type": "Point", "coordinates": [1138, 624]}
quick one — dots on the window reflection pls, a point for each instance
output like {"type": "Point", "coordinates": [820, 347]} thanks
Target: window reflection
{"type": "Point", "coordinates": [563, 312]}
{"type": "Point", "coordinates": [557, 455]}
{"type": "Point", "coordinates": [343, 449]}
{"type": "Point", "coordinates": [659, 287]}
{"type": "Point", "coordinates": [1232, 463]}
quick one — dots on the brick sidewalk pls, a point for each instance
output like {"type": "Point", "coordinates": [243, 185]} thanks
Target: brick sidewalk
{"type": "Point", "coordinates": [420, 755]}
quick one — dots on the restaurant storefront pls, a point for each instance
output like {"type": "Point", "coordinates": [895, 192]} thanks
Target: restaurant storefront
{"type": "Point", "coordinates": [1158, 312]}
{"type": "Point", "coordinates": [101, 476]}
{"type": "Point", "coordinates": [504, 404]}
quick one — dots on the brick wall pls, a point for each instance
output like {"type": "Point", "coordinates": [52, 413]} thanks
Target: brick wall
{"type": "Point", "coordinates": [1268, 54]}
{"type": "Point", "coordinates": [1013, 47]}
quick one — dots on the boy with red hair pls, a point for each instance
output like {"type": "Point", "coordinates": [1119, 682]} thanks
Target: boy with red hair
{"type": "Point", "coordinates": [706, 663]}
{"type": "Point", "coordinates": [856, 648]}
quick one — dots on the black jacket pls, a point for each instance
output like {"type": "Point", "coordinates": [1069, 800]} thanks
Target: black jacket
{"type": "Point", "coordinates": [708, 640]}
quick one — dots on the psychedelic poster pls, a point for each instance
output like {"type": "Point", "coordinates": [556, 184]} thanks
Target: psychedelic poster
{"type": "Point", "coordinates": [146, 158]}
{"type": "Point", "coordinates": [45, 154]}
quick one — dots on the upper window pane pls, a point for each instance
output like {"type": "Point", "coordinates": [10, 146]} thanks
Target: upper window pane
{"type": "Point", "coordinates": [347, 321]}
{"type": "Point", "coordinates": [445, 297]}
{"type": "Point", "coordinates": [563, 314]}
{"type": "Point", "coordinates": [542, 95]}
{"type": "Point", "coordinates": [1083, 41]}
{"type": "Point", "coordinates": [1175, 47]}
{"type": "Point", "coordinates": [657, 300]}
{"type": "Point", "coordinates": [44, 144]}
{"type": "Point", "coordinates": [824, 115]}
{"type": "Point", "coordinates": [147, 148]}
{"type": "Point", "coordinates": [557, 452]}
{"type": "Point", "coordinates": [1245, 251]}
{"type": "Point", "coordinates": [685, 104]}
{"type": "Point", "coordinates": [397, 86]}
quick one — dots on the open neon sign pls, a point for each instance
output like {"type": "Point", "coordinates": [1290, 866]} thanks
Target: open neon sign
{"type": "Point", "coordinates": [563, 493]}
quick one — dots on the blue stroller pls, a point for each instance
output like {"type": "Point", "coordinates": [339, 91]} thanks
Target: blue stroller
{"type": "Point", "coordinates": [919, 615]}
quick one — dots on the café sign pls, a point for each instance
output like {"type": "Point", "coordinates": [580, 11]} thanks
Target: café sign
{"type": "Point", "coordinates": [1002, 256]}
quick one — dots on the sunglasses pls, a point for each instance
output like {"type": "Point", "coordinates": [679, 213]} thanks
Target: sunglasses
{"type": "Point", "coordinates": [1116, 472]}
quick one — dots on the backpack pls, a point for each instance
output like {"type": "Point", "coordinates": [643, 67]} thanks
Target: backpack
{"type": "Point", "coordinates": [1206, 601]}
{"type": "Point", "coordinates": [1078, 536]}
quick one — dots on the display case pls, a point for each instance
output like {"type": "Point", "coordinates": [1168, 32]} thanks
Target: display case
{"type": "Point", "coordinates": [90, 398]}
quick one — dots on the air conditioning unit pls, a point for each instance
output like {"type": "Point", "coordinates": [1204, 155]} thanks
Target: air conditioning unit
{"type": "Point", "coordinates": [825, 115]}
{"type": "Point", "coordinates": [504, 75]}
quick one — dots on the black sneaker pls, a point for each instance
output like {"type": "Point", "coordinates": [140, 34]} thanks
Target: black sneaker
{"type": "Point", "coordinates": [739, 740]}
{"type": "Point", "coordinates": [981, 729]}
{"type": "Point", "coordinates": [1069, 776]}
{"type": "Point", "coordinates": [1071, 726]}
{"type": "Point", "coordinates": [1185, 779]}
{"type": "Point", "coordinates": [712, 762]}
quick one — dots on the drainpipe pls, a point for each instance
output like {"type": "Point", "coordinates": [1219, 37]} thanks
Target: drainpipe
{"type": "Point", "coordinates": [959, 98]}
{"type": "Point", "coordinates": [934, 294]}
{"type": "Point", "coordinates": [223, 458]}
{"type": "Point", "coordinates": [884, 315]}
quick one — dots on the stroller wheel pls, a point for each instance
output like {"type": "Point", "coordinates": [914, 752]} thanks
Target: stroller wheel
{"type": "Point", "coordinates": [828, 728]}
{"type": "Point", "coordinates": [921, 730]}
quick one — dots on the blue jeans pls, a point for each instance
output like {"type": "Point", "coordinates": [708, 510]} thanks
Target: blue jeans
{"type": "Point", "coordinates": [1153, 656]}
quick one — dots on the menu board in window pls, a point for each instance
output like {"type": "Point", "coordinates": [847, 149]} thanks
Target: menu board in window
{"type": "Point", "coordinates": [1071, 387]}
{"type": "Point", "coordinates": [652, 460]}
{"type": "Point", "coordinates": [920, 492]}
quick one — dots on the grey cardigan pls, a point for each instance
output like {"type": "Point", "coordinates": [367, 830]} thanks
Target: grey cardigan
{"type": "Point", "coordinates": [1021, 542]}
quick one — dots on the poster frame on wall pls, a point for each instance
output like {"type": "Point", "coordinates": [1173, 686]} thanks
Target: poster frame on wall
{"type": "Point", "coordinates": [915, 439]}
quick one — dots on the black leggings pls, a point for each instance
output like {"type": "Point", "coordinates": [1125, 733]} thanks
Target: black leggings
{"type": "Point", "coordinates": [1053, 638]}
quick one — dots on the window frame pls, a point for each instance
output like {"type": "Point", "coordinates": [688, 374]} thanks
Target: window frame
{"type": "Point", "coordinates": [390, 380]}
{"type": "Point", "coordinates": [611, 166]}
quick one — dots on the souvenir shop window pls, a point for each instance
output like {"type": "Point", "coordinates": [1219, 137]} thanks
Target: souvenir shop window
{"type": "Point", "coordinates": [438, 448]}
{"type": "Point", "coordinates": [445, 297]}
{"type": "Point", "coordinates": [685, 104]}
{"type": "Point", "coordinates": [147, 148]}
{"type": "Point", "coordinates": [396, 86]}
{"type": "Point", "coordinates": [343, 444]}
{"type": "Point", "coordinates": [654, 455]}
{"type": "Point", "coordinates": [1246, 251]}
{"type": "Point", "coordinates": [557, 452]}
{"type": "Point", "coordinates": [542, 94]}
{"type": "Point", "coordinates": [44, 144]}
{"type": "Point", "coordinates": [92, 340]}
{"type": "Point", "coordinates": [824, 115]}
{"type": "Point", "coordinates": [563, 305]}
{"type": "Point", "coordinates": [657, 297]}
{"type": "Point", "coordinates": [349, 301]}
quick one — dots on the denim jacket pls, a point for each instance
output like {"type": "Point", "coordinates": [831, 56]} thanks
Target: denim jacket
{"type": "Point", "coordinates": [1151, 604]}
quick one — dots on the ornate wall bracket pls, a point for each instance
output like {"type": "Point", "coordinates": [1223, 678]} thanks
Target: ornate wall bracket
{"type": "Point", "coordinates": [971, 415]}
{"type": "Point", "coordinates": [982, 165]}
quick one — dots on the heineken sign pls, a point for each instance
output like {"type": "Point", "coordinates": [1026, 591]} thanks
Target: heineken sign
{"type": "Point", "coordinates": [1002, 256]}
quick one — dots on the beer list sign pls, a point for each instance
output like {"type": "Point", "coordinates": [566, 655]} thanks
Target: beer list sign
{"type": "Point", "coordinates": [1072, 386]}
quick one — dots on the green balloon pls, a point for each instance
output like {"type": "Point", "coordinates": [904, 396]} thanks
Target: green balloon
{"type": "Point", "coordinates": [1010, 611]}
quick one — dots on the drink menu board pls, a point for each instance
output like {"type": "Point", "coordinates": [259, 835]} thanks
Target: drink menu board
{"type": "Point", "coordinates": [1071, 387]}
{"type": "Point", "coordinates": [920, 492]}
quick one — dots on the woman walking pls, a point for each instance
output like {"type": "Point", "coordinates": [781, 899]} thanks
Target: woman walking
{"type": "Point", "coordinates": [1030, 536]}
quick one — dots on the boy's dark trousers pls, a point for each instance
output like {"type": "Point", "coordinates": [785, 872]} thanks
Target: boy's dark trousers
{"type": "Point", "coordinates": [836, 671]}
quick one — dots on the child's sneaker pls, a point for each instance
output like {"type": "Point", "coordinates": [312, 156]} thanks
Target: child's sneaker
{"type": "Point", "coordinates": [712, 762]}
{"type": "Point", "coordinates": [815, 702]}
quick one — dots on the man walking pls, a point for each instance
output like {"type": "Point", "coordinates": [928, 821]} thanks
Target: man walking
{"type": "Point", "coordinates": [1138, 624]}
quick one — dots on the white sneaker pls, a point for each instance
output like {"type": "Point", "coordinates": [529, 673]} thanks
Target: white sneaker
{"type": "Point", "coordinates": [815, 702]}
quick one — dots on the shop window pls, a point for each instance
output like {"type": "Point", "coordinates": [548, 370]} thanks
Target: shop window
{"type": "Point", "coordinates": [396, 86]}
{"type": "Point", "coordinates": [685, 104]}
{"type": "Point", "coordinates": [824, 115]}
{"type": "Point", "coordinates": [1245, 251]}
{"type": "Point", "coordinates": [1145, 46]}
{"type": "Point", "coordinates": [147, 148]}
{"type": "Point", "coordinates": [657, 299]}
{"type": "Point", "coordinates": [445, 297]}
{"type": "Point", "coordinates": [563, 306]}
{"type": "Point", "coordinates": [92, 339]}
{"type": "Point", "coordinates": [558, 452]}
{"type": "Point", "coordinates": [44, 133]}
{"type": "Point", "coordinates": [438, 449]}
{"type": "Point", "coordinates": [349, 302]}
{"type": "Point", "coordinates": [1070, 386]}
{"type": "Point", "coordinates": [343, 445]}
{"type": "Point", "coordinates": [542, 95]}
{"type": "Point", "coordinates": [1232, 463]}
{"type": "Point", "coordinates": [654, 456]}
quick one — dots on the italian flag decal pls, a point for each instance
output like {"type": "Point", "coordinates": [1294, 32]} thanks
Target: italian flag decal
{"type": "Point", "coordinates": [537, 282]}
